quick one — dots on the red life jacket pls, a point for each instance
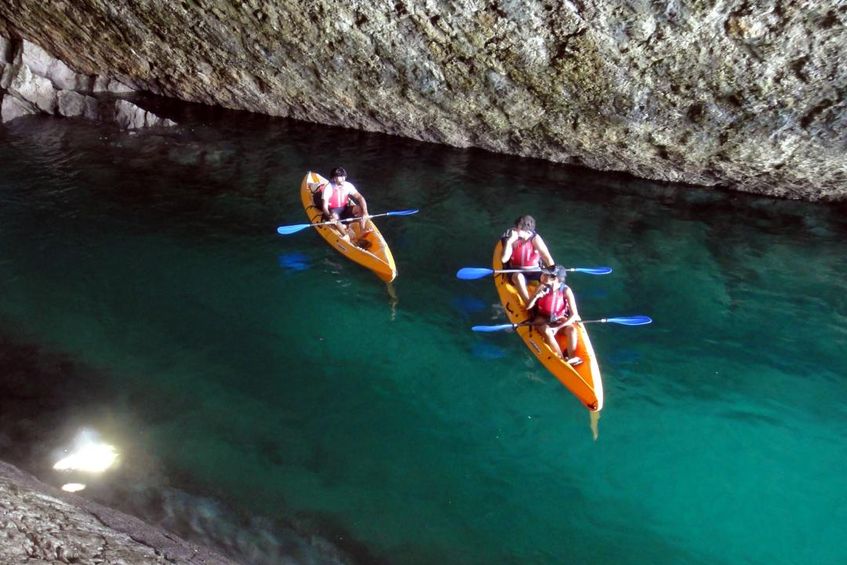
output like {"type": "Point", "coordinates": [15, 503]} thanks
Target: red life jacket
{"type": "Point", "coordinates": [339, 197]}
{"type": "Point", "coordinates": [524, 253]}
{"type": "Point", "coordinates": [554, 305]}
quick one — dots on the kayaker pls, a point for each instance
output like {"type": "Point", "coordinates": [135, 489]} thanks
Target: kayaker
{"type": "Point", "coordinates": [338, 199]}
{"type": "Point", "coordinates": [555, 310]}
{"type": "Point", "coordinates": [523, 248]}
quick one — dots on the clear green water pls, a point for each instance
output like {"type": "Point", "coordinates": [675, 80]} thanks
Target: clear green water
{"type": "Point", "coordinates": [145, 293]}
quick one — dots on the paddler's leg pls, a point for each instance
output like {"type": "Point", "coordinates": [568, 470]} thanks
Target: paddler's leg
{"type": "Point", "coordinates": [342, 231]}
{"type": "Point", "coordinates": [571, 336]}
{"type": "Point", "coordinates": [358, 236]}
{"type": "Point", "coordinates": [334, 216]}
{"type": "Point", "coordinates": [550, 332]}
{"type": "Point", "coordinates": [520, 281]}
{"type": "Point", "coordinates": [344, 219]}
{"type": "Point", "coordinates": [358, 227]}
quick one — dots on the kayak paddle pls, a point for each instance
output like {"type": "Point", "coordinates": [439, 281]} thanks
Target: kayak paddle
{"type": "Point", "coordinates": [287, 230]}
{"type": "Point", "coordinates": [491, 329]}
{"type": "Point", "coordinates": [624, 321]}
{"type": "Point", "coordinates": [473, 273]}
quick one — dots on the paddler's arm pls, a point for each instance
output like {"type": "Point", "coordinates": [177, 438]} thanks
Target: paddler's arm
{"type": "Point", "coordinates": [539, 292]}
{"type": "Point", "coordinates": [539, 244]}
{"type": "Point", "coordinates": [325, 196]}
{"type": "Point", "coordinates": [507, 246]}
{"type": "Point", "coordinates": [364, 204]}
{"type": "Point", "coordinates": [574, 317]}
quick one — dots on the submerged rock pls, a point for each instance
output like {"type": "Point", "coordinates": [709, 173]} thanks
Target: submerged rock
{"type": "Point", "coordinates": [748, 95]}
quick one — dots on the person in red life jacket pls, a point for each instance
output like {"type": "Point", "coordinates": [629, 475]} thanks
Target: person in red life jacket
{"type": "Point", "coordinates": [555, 310]}
{"type": "Point", "coordinates": [338, 201]}
{"type": "Point", "coordinates": [523, 248]}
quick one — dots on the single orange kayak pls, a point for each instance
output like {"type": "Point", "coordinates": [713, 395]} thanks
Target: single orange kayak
{"type": "Point", "coordinates": [582, 380]}
{"type": "Point", "coordinates": [370, 250]}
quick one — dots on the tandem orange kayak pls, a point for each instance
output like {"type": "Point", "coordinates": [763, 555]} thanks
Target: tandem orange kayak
{"type": "Point", "coordinates": [582, 380]}
{"type": "Point", "coordinates": [370, 250]}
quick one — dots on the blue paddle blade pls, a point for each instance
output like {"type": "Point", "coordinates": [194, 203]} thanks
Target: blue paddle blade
{"type": "Point", "coordinates": [592, 270]}
{"type": "Point", "coordinates": [489, 329]}
{"type": "Point", "coordinates": [286, 230]}
{"type": "Point", "coordinates": [403, 212]}
{"type": "Point", "coordinates": [473, 273]}
{"type": "Point", "coordinates": [631, 320]}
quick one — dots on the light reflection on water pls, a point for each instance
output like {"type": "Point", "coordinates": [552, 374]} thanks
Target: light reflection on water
{"type": "Point", "coordinates": [312, 414]}
{"type": "Point", "coordinates": [87, 454]}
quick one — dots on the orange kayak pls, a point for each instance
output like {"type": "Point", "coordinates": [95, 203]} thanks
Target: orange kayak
{"type": "Point", "coordinates": [582, 380]}
{"type": "Point", "coordinates": [370, 250]}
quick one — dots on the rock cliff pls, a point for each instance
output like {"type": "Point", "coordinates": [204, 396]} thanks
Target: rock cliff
{"type": "Point", "coordinates": [748, 94]}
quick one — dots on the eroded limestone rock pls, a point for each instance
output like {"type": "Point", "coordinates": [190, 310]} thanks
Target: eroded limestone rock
{"type": "Point", "coordinates": [5, 50]}
{"type": "Point", "coordinates": [12, 108]}
{"type": "Point", "coordinates": [75, 105]}
{"type": "Point", "coordinates": [32, 81]}
{"type": "Point", "coordinates": [6, 75]}
{"type": "Point", "coordinates": [744, 93]}
{"type": "Point", "coordinates": [40, 525]}
{"type": "Point", "coordinates": [34, 89]}
{"type": "Point", "coordinates": [130, 116]}
{"type": "Point", "coordinates": [43, 64]}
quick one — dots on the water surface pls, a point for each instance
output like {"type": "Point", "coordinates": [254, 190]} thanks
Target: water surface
{"type": "Point", "coordinates": [269, 397]}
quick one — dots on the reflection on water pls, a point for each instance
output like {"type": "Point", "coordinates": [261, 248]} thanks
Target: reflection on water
{"type": "Point", "coordinates": [594, 418]}
{"type": "Point", "coordinates": [393, 300]}
{"type": "Point", "coordinates": [88, 454]}
{"type": "Point", "coordinates": [73, 487]}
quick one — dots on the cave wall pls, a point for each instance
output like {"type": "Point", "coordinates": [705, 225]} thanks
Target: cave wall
{"type": "Point", "coordinates": [747, 94]}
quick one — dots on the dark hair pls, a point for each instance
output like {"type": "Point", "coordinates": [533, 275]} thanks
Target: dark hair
{"type": "Point", "coordinates": [525, 223]}
{"type": "Point", "coordinates": [337, 172]}
{"type": "Point", "coordinates": [558, 271]}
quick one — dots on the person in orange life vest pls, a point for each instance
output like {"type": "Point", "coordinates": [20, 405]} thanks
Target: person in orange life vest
{"type": "Point", "coordinates": [555, 311]}
{"type": "Point", "coordinates": [523, 248]}
{"type": "Point", "coordinates": [336, 203]}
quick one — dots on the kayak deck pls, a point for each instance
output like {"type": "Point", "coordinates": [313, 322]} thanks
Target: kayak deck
{"type": "Point", "coordinates": [582, 380]}
{"type": "Point", "coordinates": [370, 250]}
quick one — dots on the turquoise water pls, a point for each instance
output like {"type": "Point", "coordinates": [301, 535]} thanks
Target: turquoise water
{"type": "Point", "coordinates": [266, 393]}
